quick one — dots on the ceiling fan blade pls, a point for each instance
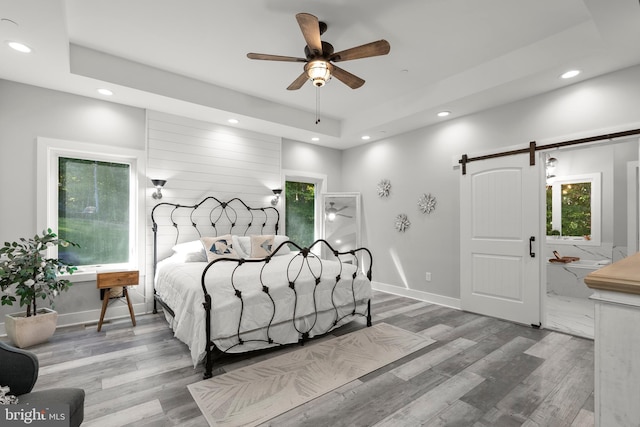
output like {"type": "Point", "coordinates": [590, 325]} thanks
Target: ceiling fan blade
{"type": "Point", "coordinates": [380, 47]}
{"type": "Point", "coordinates": [266, 57]}
{"type": "Point", "coordinates": [354, 82]}
{"type": "Point", "coordinates": [297, 83]}
{"type": "Point", "coordinates": [311, 31]}
{"type": "Point", "coordinates": [346, 216]}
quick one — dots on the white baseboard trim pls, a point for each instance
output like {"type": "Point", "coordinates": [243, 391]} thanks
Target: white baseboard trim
{"type": "Point", "coordinates": [418, 295]}
{"type": "Point", "coordinates": [92, 316]}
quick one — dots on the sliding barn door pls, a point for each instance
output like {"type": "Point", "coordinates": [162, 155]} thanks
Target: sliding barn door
{"type": "Point", "coordinates": [499, 230]}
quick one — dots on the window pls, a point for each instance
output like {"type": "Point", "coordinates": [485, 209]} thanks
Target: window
{"type": "Point", "coordinates": [300, 212]}
{"type": "Point", "coordinates": [88, 194]}
{"type": "Point", "coordinates": [573, 210]}
{"type": "Point", "coordinates": [93, 211]}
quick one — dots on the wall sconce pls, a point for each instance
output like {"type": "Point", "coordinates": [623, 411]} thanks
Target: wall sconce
{"type": "Point", "coordinates": [550, 167]}
{"type": "Point", "coordinates": [158, 183]}
{"type": "Point", "coordinates": [276, 199]}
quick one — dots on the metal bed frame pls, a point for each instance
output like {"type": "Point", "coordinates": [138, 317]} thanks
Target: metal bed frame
{"type": "Point", "coordinates": [235, 217]}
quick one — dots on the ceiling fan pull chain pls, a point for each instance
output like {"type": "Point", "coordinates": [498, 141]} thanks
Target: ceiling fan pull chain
{"type": "Point", "coordinates": [317, 105]}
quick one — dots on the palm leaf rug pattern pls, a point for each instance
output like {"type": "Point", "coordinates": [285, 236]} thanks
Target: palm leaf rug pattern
{"type": "Point", "coordinates": [254, 394]}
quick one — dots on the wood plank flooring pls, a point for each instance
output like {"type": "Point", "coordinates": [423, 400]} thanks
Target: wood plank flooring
{"type": "Point", "coordinates": [480, 372]}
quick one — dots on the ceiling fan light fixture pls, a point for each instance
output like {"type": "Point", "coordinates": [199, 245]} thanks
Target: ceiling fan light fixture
{"type": "Point", "coordinates": [318, 71]}
{"type": "Point", "coordinates": [332, 212]}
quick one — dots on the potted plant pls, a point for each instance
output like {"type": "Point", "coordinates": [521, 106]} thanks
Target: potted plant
{"type": "Point", "coordinates": [26, 273]}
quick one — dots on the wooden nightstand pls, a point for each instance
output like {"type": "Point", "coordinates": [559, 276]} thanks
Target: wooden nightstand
{"type": "Point", "coordinates": [116, 279]}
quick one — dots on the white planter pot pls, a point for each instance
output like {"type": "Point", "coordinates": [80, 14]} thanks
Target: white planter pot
{"type": "Point", "coordinates": [27, 331]}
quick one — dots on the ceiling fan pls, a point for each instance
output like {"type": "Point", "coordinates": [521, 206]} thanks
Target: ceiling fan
{"type": "Point", "coordinates": [320, 56]}
{"type": "Point", "coordinates": [332, 212]}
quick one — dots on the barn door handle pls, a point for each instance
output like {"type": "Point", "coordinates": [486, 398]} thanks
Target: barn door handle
{"type": "Point", "coordinates": [531, 240]}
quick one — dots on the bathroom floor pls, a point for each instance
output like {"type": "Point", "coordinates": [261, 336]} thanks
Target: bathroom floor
{"type": "Point", "coordinates": [570, 315]}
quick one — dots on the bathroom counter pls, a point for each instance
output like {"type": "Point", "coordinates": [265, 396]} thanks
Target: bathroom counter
{"type": "Point", "coordinates": [622, 276]}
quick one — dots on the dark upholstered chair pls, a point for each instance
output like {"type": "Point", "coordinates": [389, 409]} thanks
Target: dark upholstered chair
{"type": "Point", "coordinates": [20, 371]}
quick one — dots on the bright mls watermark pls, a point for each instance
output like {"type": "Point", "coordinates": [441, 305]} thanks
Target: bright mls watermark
{"type": "Point", "coordinates": [34, 415]}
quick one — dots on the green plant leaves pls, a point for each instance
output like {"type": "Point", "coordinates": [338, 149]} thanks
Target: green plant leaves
{"type": "Point", "coordinates": [34, 276]}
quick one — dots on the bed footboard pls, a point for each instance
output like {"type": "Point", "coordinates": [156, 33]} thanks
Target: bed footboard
{"type": "Point", "coordinates": [306, 324]}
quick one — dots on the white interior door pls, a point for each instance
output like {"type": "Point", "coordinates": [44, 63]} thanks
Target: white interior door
{"type": "Point", "coordinates": [499, 230]}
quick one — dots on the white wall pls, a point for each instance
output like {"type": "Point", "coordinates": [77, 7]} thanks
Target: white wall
{"type": "Point", "coordinates": [623, 153]}
{"type": "Point", "coordinates": [421, 161]}
{"type": "Point", "coordinates": [200, 159]}
{"type": "Point", "coordinates": [27, 112]}
{"type": "Point", "coordinates": [301, 156]}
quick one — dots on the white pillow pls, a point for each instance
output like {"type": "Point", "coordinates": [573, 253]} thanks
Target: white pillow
{"type": "Point", "coordinates": [219, 247]}
{"type": "Point", "coordinates": [190, 251]}
{"type": "Point", "coordinates": [280, 238]}
{"type": "Point", "coordinates": [242, 246]}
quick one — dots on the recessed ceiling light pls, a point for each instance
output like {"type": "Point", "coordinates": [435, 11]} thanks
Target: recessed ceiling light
{"type": "Point", "coordinates": [315, 138]}
{"type": "Point", "coordinates": [365, 137]}
{"type": "Point", "coordinates": [570, 74]}
{"type": "Point", "coordinates": [20, 47]}
{"type": "Point", "coordinates": [444, 113]}
{"type": "Point", "coordinates": [105, 92]}
{"type": "Point", "coordinates": [233, 121]}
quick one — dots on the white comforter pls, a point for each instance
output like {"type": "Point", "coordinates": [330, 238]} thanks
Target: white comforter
{"type": "Point", "coordinates": [179, 285]}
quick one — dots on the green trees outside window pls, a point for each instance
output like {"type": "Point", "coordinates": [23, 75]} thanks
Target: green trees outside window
{"type": "Point", "coordinates": [93, 211]}
{"type": "Point", "coordinates": [574, 207]}
{"type": "Point", "coordinates": [300, 212]}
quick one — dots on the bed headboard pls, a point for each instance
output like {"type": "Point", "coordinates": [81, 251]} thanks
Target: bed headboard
{"type": "Point", "coordinates": [174, 223]}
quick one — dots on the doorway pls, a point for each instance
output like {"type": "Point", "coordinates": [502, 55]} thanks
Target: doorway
{"type": "Point", "coordinates": [566, 300]}
{"type": "Point", "coordinates": [491, 280]}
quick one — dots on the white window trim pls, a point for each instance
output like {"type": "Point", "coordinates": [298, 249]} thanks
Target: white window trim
{"type": "Point", "coordinates": [596, 209]}
{"type": "Point", "coordinates": [48, 152]}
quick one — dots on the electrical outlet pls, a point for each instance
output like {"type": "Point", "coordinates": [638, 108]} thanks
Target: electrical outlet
{"type": "Point", "coordinates": [427, 276]}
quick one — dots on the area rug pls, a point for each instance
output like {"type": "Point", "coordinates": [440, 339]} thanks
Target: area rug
{"type": "Point", "coordinates": [257, 393]}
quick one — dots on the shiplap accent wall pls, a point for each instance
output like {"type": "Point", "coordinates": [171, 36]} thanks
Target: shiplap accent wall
{"type": "Point", "coordinates": [200, 159]}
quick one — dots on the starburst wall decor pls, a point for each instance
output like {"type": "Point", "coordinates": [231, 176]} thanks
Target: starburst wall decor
{"type": "Point", "coordinates": [427, 203]}
{"type": "Point", "coordinates": [402, 222]}
{"type": "Point", "coordinates": [384, 187]}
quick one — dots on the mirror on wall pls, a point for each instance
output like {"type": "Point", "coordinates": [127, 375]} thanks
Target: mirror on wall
{"type": "Point", "coordinates": [341, 220]}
